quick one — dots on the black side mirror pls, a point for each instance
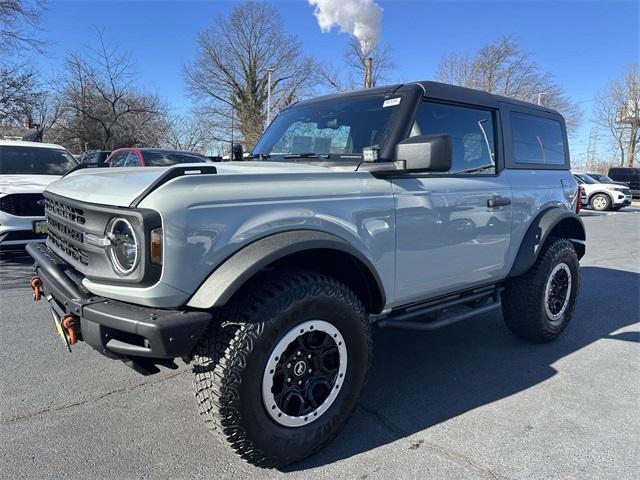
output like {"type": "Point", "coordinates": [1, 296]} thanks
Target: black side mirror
{"type": "Point", "coordinates": [236, 152]}
{"type": "Point", "coordinates": [426, 152]}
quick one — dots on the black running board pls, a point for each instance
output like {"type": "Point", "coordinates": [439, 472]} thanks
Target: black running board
{"type": "Point", "coordinates": [420, 317]}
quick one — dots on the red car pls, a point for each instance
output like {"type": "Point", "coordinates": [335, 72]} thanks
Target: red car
{"type": "Point", "coordinates": [151, 157]}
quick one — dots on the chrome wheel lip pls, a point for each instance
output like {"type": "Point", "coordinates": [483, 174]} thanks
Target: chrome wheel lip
{"type": "Point", "coordinates": [268, 399]}
{"type": "Point", "coordinates": [557, 317]}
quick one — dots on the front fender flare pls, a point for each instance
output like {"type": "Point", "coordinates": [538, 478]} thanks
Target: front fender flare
{"type": "Point", "coordinates": [228, 277]}
{"type": "Point", "coordinates": [566, 222]}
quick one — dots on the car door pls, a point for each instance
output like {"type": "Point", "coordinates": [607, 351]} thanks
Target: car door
{"type": "Point", "coordinates": [453, 228]}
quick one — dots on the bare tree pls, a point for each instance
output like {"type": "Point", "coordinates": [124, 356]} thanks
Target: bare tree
{"type": "Point", "coordinates": [18, 20]}
{"type": "Point", "coordinates": [504, 68]}
{"type": "Point", "coordinates": [190, 132]}
{"type": "Point", "coordinates": [350, 75]}
{"type": "Point", "coordinates": [18, 92]}
{"type": "Point", "coordinates": [617, 108]}
{"type": "Point", "coordinates": [101, 106]}
{"type": "Point", "coordinates": [228, 78]}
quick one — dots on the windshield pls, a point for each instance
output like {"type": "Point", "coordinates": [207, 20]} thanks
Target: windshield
{"type": "Point", "coordinates": [163, 159]}
{"type": "Point", "coordinates": [586, 178]}
{"type": "Point", "coordinates": [19, 160]}
{"type": "Point", "coordinates": [601, 178]}
{"type": "Point", "coordinates": [338, 129]}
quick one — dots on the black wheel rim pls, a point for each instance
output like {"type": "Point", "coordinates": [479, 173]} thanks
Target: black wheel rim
{"type": "Point", "coordinates": [558, 292]}
{"type": "Point", "coordinates": [304, 373]}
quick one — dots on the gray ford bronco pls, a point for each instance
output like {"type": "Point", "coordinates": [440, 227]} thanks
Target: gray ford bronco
{"type": "Point", "coordinates": [410, 206]}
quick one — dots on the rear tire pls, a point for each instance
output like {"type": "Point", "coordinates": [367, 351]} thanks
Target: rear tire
{"type": "Point", "coordinates": [538, 305]}
{"type": "Point", "coordinates": [284, 325]}
{"type": "Point", "coordinates": [600, 202]}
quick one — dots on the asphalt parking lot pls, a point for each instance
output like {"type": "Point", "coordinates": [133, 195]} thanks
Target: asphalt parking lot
{"type": "Point", "coordinates": [467, 401]}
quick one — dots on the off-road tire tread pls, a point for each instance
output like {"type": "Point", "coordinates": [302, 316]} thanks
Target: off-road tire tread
{"type": "Point", "coordinates": [223, 350]}
{"type": "Point", "coordinates": [521, 308]}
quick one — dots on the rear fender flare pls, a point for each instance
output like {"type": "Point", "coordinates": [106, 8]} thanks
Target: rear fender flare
{"type": "Point", "coordinates": [564, 222]}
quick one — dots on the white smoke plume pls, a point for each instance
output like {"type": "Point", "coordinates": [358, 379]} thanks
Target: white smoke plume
{"type": "Point", "coordinates": [360, 18]}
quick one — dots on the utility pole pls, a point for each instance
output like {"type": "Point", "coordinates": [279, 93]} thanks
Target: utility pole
{"type": "Point", "coordinates": [540, 95]}
{"type": "Point", "coordinates": [269, 72]}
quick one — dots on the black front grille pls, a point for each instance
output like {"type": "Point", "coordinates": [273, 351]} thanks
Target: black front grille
{"type": "Point", "coordinates": [23, 204]}
{"type": "Point", "coordinates": [65, 239]}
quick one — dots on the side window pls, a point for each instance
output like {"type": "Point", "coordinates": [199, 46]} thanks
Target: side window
{"type": "Point", "coordinates": [118, 159]}
{"type": "Point", "coordinates": [132, 160]}
{"type": "Point", "coordinates": [471, 132]}
{"type": "Point", "coordinates": [537, 140]}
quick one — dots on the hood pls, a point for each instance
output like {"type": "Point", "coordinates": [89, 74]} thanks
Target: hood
{"type": "Point", "coordinates": [25, 183]}
{"type": "Point", "coordinates": [611, 186]}
{"type": "Point", "coordinates": [121, 186]}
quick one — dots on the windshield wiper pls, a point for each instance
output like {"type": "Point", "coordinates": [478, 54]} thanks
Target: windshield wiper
{"type": "Point", "coordinates": [306, 155]}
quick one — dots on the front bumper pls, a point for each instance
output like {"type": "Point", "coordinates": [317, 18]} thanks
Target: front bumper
{"type": "Point", "coordinates": [16, 230]}
{"type": "Point", "coordinates": [622, 200]}
{"type": "Point", "coordinates": [116, 329]}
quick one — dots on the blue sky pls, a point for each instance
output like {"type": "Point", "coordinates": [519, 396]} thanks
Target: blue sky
{"type": "Point", "coordinates": [584, 44]}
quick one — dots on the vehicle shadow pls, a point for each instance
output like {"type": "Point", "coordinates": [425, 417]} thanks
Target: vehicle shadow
{"type": "Point", "coordinates": [15, 269]}
{"type": "Point", "coordinates": [420, 379]}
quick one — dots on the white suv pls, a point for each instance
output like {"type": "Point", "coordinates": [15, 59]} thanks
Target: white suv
{"type": "Point", "coordinates": [603, 196]}
{"type": "Point", "coordinates": [26, 168]}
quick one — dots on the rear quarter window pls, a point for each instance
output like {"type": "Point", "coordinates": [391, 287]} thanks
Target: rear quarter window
{"type": "Point", "coordinates": [537, 140]}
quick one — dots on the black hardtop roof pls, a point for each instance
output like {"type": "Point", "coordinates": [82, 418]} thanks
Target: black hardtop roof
{"type": "Point", "coordinates": [437, 90]}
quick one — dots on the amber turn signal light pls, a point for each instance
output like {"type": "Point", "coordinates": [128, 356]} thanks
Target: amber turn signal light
{"type": "Point", "coordinates": [156, 246]}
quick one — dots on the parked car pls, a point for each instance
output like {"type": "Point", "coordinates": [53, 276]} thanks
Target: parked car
{"type": "Point", "coordinates": [96, 158]}
{"type": "Point", "coordinates": [603, 196]}
{"type": "Point", "coordinates": [151, 157]}
{"type": "Point", "coordinates": [26, 168]}
{"type": "Point", "coordinates": [396, 206]}
{"type": "Point", "coordinates": [605, 179]}
{"type": "Point", "coordinates": [630, 176]}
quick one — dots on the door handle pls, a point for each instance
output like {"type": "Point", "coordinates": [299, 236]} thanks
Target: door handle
{"type": "Point", "coordinates": [498, 202]}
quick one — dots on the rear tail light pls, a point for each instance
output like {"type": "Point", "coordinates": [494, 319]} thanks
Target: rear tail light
{"type": "Point", "coordinates": [579, 202]}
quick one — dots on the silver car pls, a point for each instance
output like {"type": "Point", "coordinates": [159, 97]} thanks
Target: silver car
{"type": "Point", "coordinates": [411, 206]}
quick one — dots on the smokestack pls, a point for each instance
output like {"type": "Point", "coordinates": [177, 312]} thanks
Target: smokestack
{"type": "Point", "coordinates": [368, 72]}
{"type": "Point", "coordinates": [360, 18]}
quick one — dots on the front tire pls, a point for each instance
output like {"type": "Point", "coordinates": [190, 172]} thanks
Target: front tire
{"type": "Point", "coordinates": [282, 366]}
{"type": "Point", "coordinates": [538, 305]}
{"type": "Point", "coordinates": [600, 202]}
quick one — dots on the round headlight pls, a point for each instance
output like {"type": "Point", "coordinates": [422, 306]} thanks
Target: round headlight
{"type": "Point", "coordinates": [124, 250]}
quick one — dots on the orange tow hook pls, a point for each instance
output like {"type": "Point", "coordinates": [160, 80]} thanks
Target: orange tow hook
{"type": "Point", "coordinates": [69, 323]}
{"type": "Point", "coordinates": [36, 286]}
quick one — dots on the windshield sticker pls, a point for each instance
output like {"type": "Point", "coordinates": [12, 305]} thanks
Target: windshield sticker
{"type": "Point", "coordinates": [392, 102]}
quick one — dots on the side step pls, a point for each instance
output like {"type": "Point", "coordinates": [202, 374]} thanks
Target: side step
{"type": "Point", "coordinates": [446, 311]}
